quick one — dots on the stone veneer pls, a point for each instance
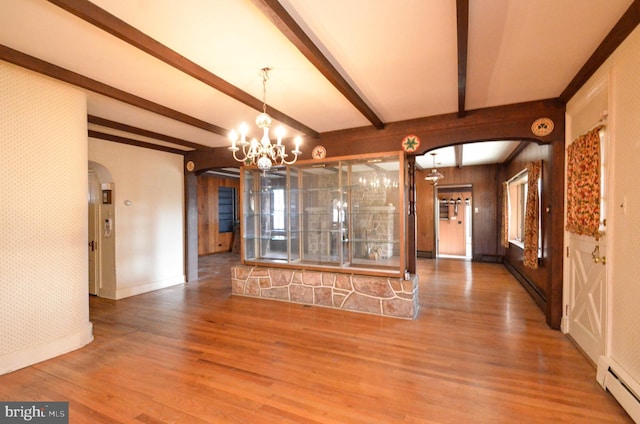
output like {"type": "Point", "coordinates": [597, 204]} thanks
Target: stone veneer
{"type": "Point", "coordinates": [386, 296]}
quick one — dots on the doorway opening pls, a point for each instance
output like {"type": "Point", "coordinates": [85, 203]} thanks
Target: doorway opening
{"type": "Point", "coordinates": [453, 222]}
{"type": "Point", "coordinates": [94, 234]}
{"type": "Point", "coordinates": [101, 232]}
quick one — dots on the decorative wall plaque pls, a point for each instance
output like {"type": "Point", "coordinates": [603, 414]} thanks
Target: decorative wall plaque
{"type": "Point", "coordinates": [410, 143]}
{"type": "Point", "coordinates": [542, 127]}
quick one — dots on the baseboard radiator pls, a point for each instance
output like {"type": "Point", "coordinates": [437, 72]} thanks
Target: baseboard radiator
{"type": "Point", "coordinates": [624, 388]}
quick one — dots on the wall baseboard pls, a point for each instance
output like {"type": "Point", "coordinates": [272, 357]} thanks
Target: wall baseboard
{"type": "Point", "coordinates": [624, 388]}
{"type": "Point", "coordinates": [529, 286]}
{"type": "Point", "coordinates": [145, 288]}
{"type": "Point", "coordinates": [494, 259]}
{"type": "Point", "coordinates": [24, 358]}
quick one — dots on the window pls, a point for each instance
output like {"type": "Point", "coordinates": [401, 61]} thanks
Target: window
{"type": "Point", "coordinates": [518, 191]}
{"type": "Point", "coordinates": [517, 206]}
{"type": "Point", "coordinates": [226, 209]}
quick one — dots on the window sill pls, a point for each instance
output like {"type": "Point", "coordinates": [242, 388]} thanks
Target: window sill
{"type": "Point", "coordinates": [517, 243]}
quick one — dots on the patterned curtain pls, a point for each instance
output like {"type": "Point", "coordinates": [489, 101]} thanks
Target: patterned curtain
{"type": "Point", "coordinates": [583, 184]}
{"type": "Point", "coordinates": [505, 214]}
{"type": "Point", "coordinates": [532, 217]}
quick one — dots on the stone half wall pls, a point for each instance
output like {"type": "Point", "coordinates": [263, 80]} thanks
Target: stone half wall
{"type": "Point", "coordinates": [392, 297]}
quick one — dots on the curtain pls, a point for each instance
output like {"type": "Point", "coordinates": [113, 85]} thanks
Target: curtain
{"type": "Point", "coordinates": [532, 216]}
{"type": "Point", "coordinates": [583, 184]}
{"type": "Point", "coordinates": [505, 214]}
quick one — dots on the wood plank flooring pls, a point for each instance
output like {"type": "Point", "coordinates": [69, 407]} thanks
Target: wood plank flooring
{"type": "Point", "coordinates": [479, 352]}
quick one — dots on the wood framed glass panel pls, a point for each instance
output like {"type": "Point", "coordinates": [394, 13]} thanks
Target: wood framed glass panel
{"type": "Point", "coordinates": [343, 214]}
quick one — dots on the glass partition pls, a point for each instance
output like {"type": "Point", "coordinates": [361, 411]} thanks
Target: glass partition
{"type": "Point", "coordinates": [343, 213]}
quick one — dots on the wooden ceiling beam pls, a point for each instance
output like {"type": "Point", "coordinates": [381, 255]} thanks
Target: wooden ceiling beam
{"type": "Point", "coordinates": [131, 142]}
{"type": "Point", "coordinates": [458, 150]}
{"type": "Point", "coordinates": [627, 23]}
{"type": "Point", "coordinates": [516, 151]}
{"type": "Point", "coordinates": [462, 15]}
{"type": "Point", "coordinates": [109, 23]}
{"type": "Point", "coordinates": [96, 120]}
{"type": "Point", "coordinates": [279, 16]}
{"type": "Point", "coordinates": [45, 68]}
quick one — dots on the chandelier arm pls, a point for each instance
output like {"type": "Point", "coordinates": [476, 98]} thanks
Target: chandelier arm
{"type": "Point", "coordinates": [295, 157]}
{"type": "Point", "coordinates": [274, 152]}
{"type": "Point", "coordinates": [236, 157]}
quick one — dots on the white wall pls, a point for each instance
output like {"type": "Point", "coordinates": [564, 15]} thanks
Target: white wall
{"type": "Point", "coordinates": [44, 308]}
{"type": "Point", "coordinates": [149, 234]}
{"type": "Point", "coordinates": [622, 69]}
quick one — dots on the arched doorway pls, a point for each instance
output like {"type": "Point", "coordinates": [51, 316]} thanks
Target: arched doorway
{"type": "Point", "coordinates": [101, 234]}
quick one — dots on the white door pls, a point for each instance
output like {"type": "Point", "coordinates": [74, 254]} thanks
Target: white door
{"type": "Point", "coordinates": [586, 317]}
{"type": "Point", "coordinates": [94, 228]}
{"type": "Point", "coordinates": [586, 274]}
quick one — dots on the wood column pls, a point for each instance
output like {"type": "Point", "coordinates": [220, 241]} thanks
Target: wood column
{"type": "Point", "coordinates": [411, 218]}
{"type": "Point", "coordinates": [191, 226]}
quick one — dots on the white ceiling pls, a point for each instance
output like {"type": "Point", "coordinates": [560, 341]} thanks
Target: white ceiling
{"type": "Point", "coordinates": [400, 56]}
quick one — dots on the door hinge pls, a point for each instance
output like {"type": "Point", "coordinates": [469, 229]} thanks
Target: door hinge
{"type": "Point", "coordinates": [566, 310]}
{"type": "Point", "coordinates": [567, 251]}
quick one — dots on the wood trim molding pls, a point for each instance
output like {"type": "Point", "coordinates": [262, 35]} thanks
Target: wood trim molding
{"type": "Point", "coordinates": [45, 68]}
{"type": "Point", "coordinates": [627, 23]}
{"type": "Point", "coordinates": [96, 120]}
{"type": "Point", "coordinates": [279, 16]}
{"type": "Point", "coordinates": [132, 142]}
{"type": "Point", "coordinates": [462, 14]}
{"type": "Point", "coordinates": [102, 19]}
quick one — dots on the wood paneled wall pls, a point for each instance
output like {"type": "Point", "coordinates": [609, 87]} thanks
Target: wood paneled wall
{"type": "Point", "coordinates": [210, 240]}
{"type": "Point", "coordinates": [537, 281]}
{"type": "Point", "coordinates": [484, 197]}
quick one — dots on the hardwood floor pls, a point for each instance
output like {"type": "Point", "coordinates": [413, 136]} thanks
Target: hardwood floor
{"type": "Point", "coordinates": [479, 352]}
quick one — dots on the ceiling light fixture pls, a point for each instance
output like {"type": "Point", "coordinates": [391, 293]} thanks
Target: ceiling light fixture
{"type": "Point", "coordinates": [434, 176]}
{"type": "Point", "coordinates": [262, 153]}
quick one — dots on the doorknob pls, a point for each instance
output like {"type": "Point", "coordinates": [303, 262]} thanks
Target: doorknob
{"type": "Point", "coordinates": [595, 255]}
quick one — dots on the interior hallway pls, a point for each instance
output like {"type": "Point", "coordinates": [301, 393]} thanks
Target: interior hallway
{"type": "Point", "coordinates": [479, 351]}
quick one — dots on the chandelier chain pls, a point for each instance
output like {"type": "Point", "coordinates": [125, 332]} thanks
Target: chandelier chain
{"type": "Point", "coordinates": [265, 78]}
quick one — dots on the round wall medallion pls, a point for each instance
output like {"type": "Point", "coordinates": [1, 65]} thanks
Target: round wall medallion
{"type": "Point", "coordinates": [542, 127]}
{"type": "Point", "coordinates": [191, 166]}
{"type": "Point", "coordinates": [410, 143]}
{"type": "Point", "coordinates": [319, 152]}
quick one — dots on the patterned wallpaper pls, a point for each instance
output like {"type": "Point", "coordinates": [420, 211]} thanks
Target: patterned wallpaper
{"type": "Point", "coordinates": [43, 219]}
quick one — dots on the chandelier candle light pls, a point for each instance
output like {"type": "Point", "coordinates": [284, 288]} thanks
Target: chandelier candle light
{"type": "Point", "coordinates": [262, 153]}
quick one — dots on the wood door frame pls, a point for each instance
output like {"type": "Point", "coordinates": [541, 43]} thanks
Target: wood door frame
{"type": "Point", "coordinates": [93, 232]}
{"type": "Point", "coordinates": [464, 188]}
